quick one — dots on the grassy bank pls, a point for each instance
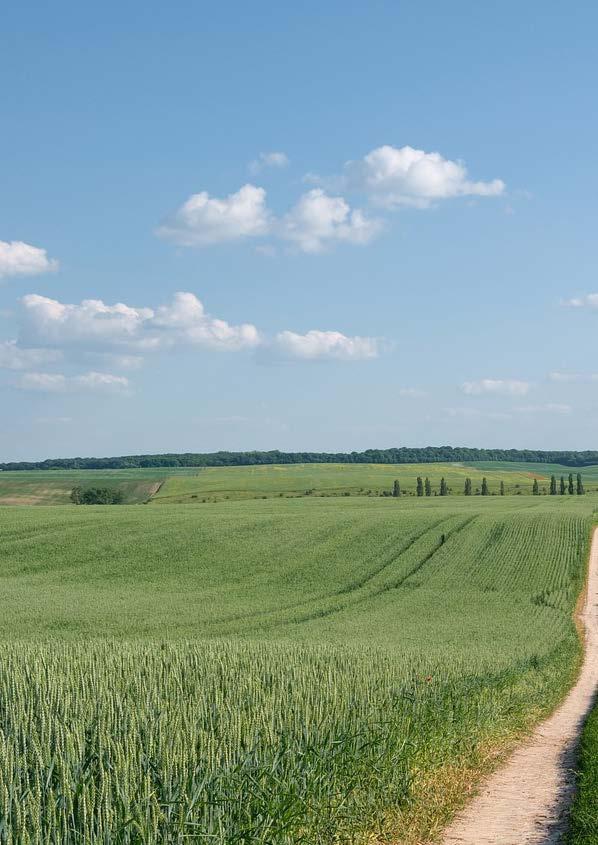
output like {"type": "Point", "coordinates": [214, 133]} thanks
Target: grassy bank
{"type": "Point", "coordinates": [584, 815]}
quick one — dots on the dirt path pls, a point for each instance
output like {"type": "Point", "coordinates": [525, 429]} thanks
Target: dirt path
{"type": "Point", "coordinates": [526, 801]}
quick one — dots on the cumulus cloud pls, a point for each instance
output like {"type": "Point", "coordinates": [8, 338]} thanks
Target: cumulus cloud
{"type": "Point", "coordinates": [20, 259]}
{"type": "Point", "coordinates": [323, 345]}
{"type": "Point", "coordinates": [45, 382]}
{"type": "Point", "coordinates": [393, 176]}
{"type": "Point", "coordinates": [94, 324]}
{"type": "Point", "coordinates": [319, 220]}
{"type": "Point", "coordinates": [100, 381]}
{"type": "Point", "coordinates": [96, 334]}
{"type": "Point", "coordinates": [590, 300]}
{"type": "Point", "coordinates": [13, 357]}
{"type": "Point", "coordinates": [50, 322]}
{"type": "Point", "coordinates": [495, 387]}
{"type": "Point", "coordinates": [389, 177]}
{"type": "Point", "coordinates": [203, 220]}
{"type": "Point", "coordinates": [315, 222]}
{"type": "Point", "coordinates": [59, 383]}
{"type": "Point", "coordinates": [276, 160]}
{"type": "Point", "coordinates": [186, 320]}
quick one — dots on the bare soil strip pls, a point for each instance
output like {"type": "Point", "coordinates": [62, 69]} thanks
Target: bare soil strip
{"type": "Point", "coordinates": [527, 800]}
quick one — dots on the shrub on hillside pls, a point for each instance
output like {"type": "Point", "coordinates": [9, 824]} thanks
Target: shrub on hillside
{"type": "Point", "coordinates": [96, 496]}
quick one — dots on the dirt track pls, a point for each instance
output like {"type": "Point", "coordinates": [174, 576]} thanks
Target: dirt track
{"type": "Point", "coordinates": [527, 799]}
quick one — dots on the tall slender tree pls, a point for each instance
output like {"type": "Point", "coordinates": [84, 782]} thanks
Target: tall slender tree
{"type": "Point", "coordinates": [443, 487]}
{"type": "Point", "coordinates": [428, 487]}
{"type": "Point", "coordinates": [553, 485]}
{"type": "Point", "coordinates": [571, 485]}
{"type": "Point", "coordinates": [580, 487]}
{"type": "Point", "coordinates": [396, 489]}
{"type": "Point", "coordinates": [563, 486]}
{"type": "Point", "coordinates": [535, 488]}
{"type": "Point", "coordinates": [467, 489]}
{"type": "Point", "coordinates": [420, 486]}
{"type": "Point", "coordinates": [485, 487]}
{"type": "Point", "coordinates": [502, 488]}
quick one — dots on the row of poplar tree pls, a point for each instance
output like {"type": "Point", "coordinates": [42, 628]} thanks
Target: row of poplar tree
{"type": "Point", "coordinates": [571, 487]}
{"type": "Point", "coordinates": [424, 487]}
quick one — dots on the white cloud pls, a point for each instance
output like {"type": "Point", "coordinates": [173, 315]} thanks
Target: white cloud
{"type": "Point", "coordinates": [590, 300]}
{"type": "Point", "coordinates": [314, 223]}
{"type": "Point", "coordinates": [203, 220]}
{"type": "Point", "coordinates": [495, 387]}
{"type": "Point", "coordinates": [328, 345]}
{"type": "Point", "coordinates": [100, 381]}
{"type": "Point", "coordinates": [412, 392]}
{"type": "Point", "coordinates": [95, 325]}
{"type": "Point", "coordinates": [13, 357]}
{"type": "Point", "coordinates": [389, 176]}
{"type": "Point", "coordinates": [92, 321]}
{"type": "Point", "coordinates": [59, 383]}
{"type": "Point", "coordinates": [568, 378]}
{"type": "Point", "coordinates": [405, 176]}
{"type": "Point", "coordinates": [319, 220]}
{"type": "Point", "coordinates": [276, 160]}
{"type": "Point", "coordinates": [21, 259]}
{"type": "Point", "coordinates": [94, 332]}
{"type": "Point", "coordinates": [46, 382]}
{"type": "Point", "coordinates": [187, 321]}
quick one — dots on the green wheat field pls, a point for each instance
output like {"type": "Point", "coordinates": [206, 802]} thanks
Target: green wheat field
{"type": "Point", "coordinates": [302, 668]}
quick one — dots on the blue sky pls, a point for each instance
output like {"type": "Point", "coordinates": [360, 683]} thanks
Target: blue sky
{"type": "Point", "coordinates": [381, 216]}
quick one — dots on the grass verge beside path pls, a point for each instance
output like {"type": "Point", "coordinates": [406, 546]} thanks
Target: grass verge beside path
{"type": "Point", "coordinates": [584, 815]}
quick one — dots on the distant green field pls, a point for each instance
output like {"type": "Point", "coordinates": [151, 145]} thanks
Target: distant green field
{"type": "Point", "coordinates": [53, 487]}
{"type": "Point", "coordinates": [275, 672]}
{"type": "Point", "coordinates": [588, 473]}
{"type": "Point", "coordinates": [213, 484]}
{"type": "Point", "coordinates": [217, 483]}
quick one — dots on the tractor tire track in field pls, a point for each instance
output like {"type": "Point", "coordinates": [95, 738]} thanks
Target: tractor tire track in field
{"type": "Point", "coordinates": [347, 589]}
{"type": "Point", "coordinates": [353, 600]}
{"type": "Point", "coordinates": [528, 799]}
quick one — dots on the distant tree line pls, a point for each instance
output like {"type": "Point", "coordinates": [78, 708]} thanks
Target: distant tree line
{"type": "Point", "coordinates": [96, 496]}
{"type": "Point", "coordinates": [402, 455]}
